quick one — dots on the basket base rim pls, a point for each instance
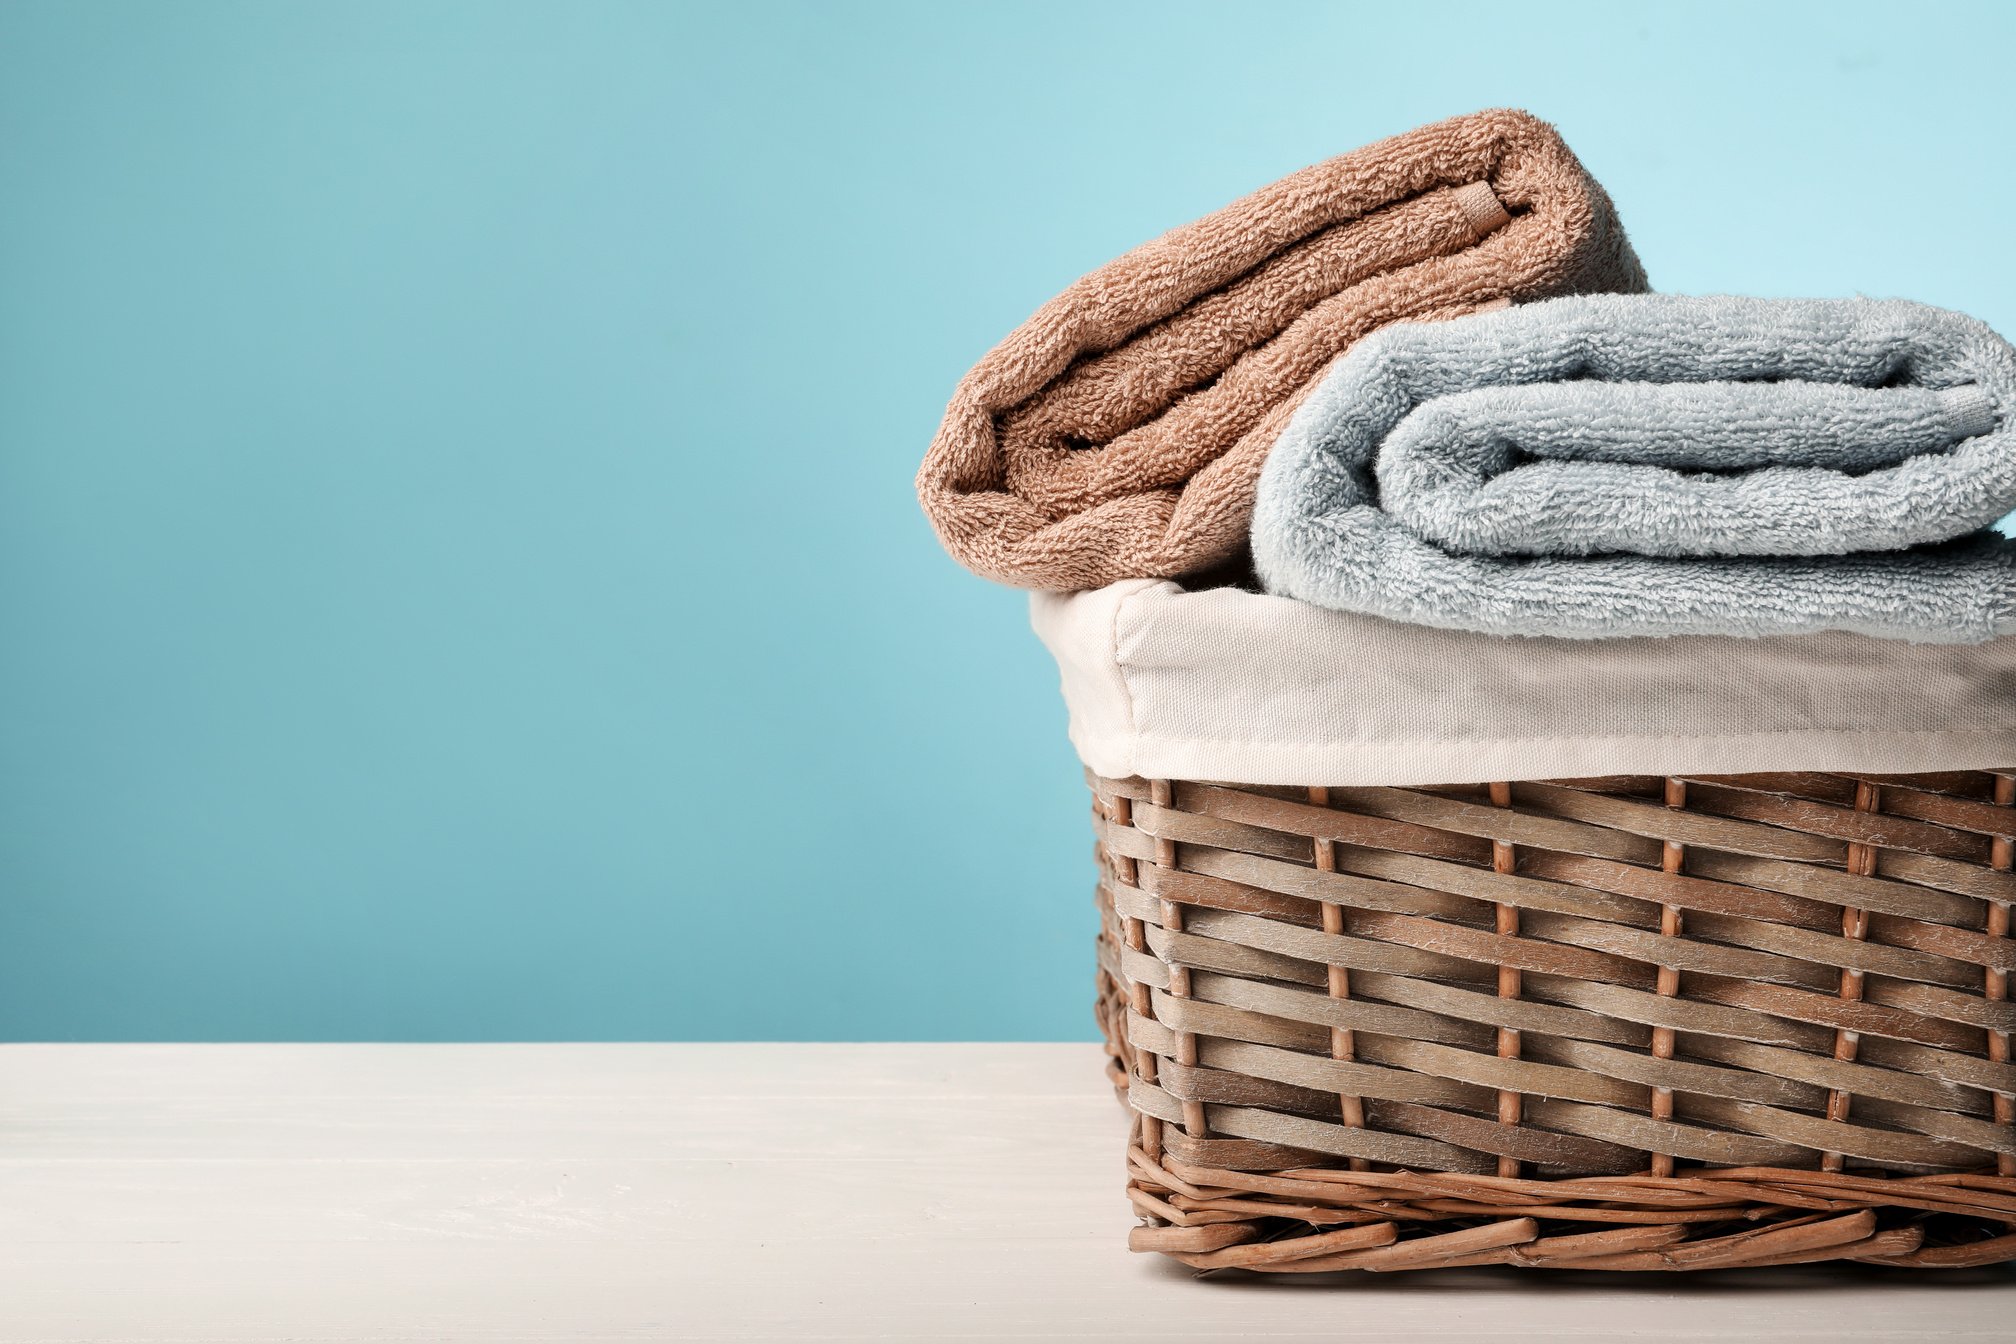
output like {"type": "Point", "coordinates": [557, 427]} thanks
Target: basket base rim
{"type": "Point", "coordinates": [1322, 1219]}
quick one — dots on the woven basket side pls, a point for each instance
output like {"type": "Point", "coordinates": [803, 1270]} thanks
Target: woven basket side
{"type": "Point", "coordinates": [1559, 982]}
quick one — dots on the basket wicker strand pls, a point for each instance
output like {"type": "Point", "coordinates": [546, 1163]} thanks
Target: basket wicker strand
{"type": "Point", "coordinates": [1624, 1023]}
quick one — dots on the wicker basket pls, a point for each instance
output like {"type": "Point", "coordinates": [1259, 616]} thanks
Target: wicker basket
{"type": "Point", "coordinates": [1623, 1023]}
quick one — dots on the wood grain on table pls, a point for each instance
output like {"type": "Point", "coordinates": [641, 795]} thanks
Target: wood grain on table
{"type": "Point", "coordinates": [738, 1192]}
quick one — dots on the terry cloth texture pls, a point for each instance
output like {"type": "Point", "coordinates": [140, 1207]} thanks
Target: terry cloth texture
{"type": "Point", "coordinates": [1119, 431]}
{"type": "Point", "coordinates": [1615, 465]}
{"type": "Point", "coordinates": [1245, 688]}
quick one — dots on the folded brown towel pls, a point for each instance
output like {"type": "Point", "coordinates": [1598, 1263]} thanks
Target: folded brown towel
{"type": "Point", "coordinates": [1118, 433]}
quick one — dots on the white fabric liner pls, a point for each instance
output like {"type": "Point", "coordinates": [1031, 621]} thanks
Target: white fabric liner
{"type": "Point", "coordinates": [1245, 688]}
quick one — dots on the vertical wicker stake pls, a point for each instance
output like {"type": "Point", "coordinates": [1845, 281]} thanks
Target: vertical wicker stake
{"type": "Point", "coordinates": [1343, 1041]}
{"type": "Point", "coordinates": [2002, 858]}
{"type": "Point", "coordinates": [1854, 924]}
{"type": "Point", "coordinates": [1162, 794]}
{"type": "Point", "coordinates": [1503, 860]}
{"type": "Point", "coordinates": [1129, 874]}
{"type": "Point", "coordinates": [1673, 861]}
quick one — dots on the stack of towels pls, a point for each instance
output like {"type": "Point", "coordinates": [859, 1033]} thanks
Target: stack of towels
{"type": "Point", "coordinates": [1425, 384]}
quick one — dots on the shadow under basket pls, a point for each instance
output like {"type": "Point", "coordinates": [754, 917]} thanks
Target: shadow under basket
{"type": "Point", "coordinates": [1628, 1023]}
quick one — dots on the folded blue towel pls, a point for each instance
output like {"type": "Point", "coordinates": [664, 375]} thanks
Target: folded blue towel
{"type": "Point", "coordinates": [1657, 465]}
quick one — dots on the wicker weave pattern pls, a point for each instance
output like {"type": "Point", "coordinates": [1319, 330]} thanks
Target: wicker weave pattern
{"type": "Point", "coordinates": [1624, 1023]}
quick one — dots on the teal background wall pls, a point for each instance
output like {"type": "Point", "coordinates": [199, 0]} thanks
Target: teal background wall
{"type": "Point", "coordinates": [458, 571]}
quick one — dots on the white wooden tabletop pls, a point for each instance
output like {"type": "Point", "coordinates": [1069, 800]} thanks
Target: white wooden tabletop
{"type": "Point", "coordinates": [678, 1192]}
